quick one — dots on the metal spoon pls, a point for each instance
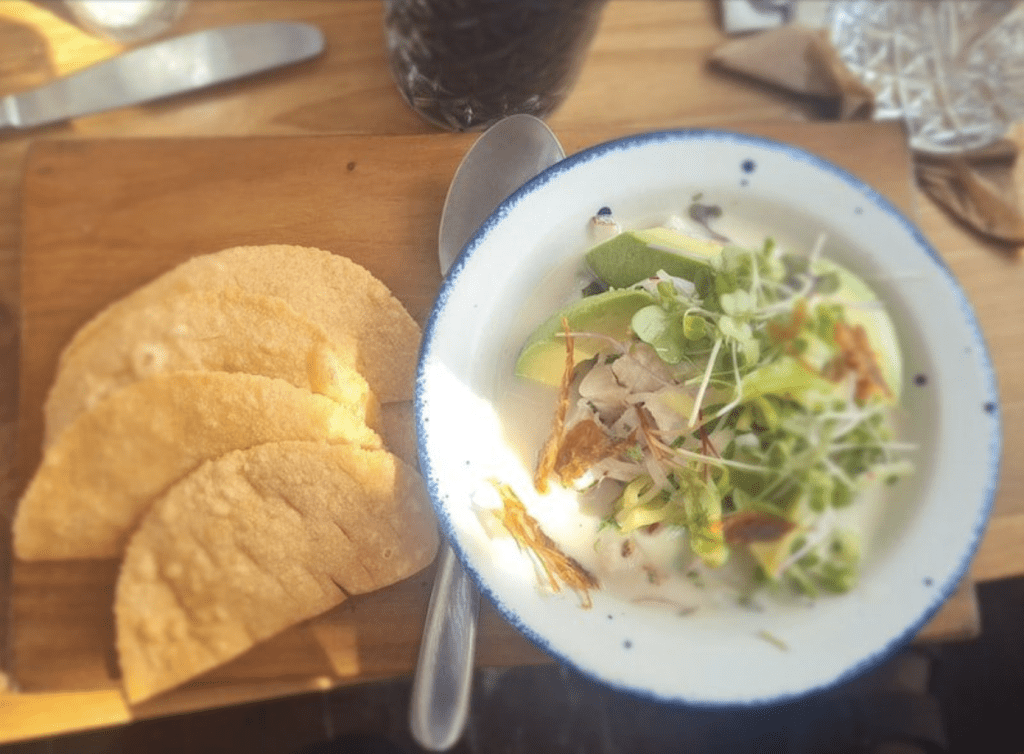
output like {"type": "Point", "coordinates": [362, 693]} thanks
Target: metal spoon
{"type": "Point", "coordinates": [505, 156]}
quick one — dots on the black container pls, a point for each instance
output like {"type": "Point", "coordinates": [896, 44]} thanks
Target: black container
{"type": "Point", "coordinates": [465, 64]}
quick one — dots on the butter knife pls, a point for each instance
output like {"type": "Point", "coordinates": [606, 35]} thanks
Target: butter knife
{"type": "Point", "coordinates": [163, 69]}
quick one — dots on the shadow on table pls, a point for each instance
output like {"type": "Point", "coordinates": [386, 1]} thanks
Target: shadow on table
{"type": "Point", "coordinates": [551, 709]}
{"type": "Point", "coordinates": [961, 698]}
{"type": "Point", "coordinates": [958, 698]}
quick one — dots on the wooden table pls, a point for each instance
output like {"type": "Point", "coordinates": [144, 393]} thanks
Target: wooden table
{"type": "Point", "coordinates": [646, 70]}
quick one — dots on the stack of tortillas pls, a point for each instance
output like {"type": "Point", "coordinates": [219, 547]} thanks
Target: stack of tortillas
{"type": "Point", "coordinates": [227, 431]}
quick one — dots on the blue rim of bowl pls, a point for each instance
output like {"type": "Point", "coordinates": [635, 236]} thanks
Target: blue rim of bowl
{"type": "Point", "coordinates": [991, 406]}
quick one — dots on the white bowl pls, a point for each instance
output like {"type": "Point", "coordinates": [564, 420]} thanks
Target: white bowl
{"type": "Point", "coordinates": [474, 417]}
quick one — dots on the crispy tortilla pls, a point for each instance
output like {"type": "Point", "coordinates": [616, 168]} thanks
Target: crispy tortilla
{"type": "Point", "coordinates": [336, 293]}
{"type": "Point", "coordinates": [104, 470]}
{"type": "Point", "coordinates": [256, 541]}
{"type": "Point", "coordinates": [225, 329]}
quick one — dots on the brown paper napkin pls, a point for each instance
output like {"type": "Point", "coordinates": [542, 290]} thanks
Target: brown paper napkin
{"type": "Point", "coordinates": [802, 61]}
{"type": "Point", "coordinates": [977, 188]}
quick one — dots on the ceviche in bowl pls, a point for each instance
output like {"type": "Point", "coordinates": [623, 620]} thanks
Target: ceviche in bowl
{"type": "Point", "coordinates": [707, 418]}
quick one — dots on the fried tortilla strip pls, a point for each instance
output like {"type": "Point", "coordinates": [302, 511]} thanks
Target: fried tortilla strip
{"type": "Point", "coordinates": [104, 470]}
{"type": "Point", "coordinates": [256, 541]}
{"type": "Point", "coordinates": [858, 357]}
{"type": "Point", "coordinates": [548, 456]}
{"type": "Point", "coordinates": [584, 445]}
{"type": "Point", "coordinates": [224, 330]}
{"type": "Point", "coordinates": [557, 566]}
{"type": "Point", "coordinates": [747, 526]}
{"type": "Point", "coordinates": [336, 293]}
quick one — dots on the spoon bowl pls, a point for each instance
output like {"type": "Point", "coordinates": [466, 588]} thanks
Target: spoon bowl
{"type": "Point", "coordinates": [506, 156]}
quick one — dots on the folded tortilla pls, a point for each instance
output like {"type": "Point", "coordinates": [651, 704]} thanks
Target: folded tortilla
{"type": "Point", "coordinates": [256, 541]}
{"type": "Point", "coordinates": [222, 329]}
{"type": "Point", "coordinates": [331, 290]}
{"type": "Point", "coordinates": [104, 470]}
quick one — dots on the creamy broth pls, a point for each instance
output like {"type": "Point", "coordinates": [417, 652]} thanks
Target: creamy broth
{"type": "Point", "coordinates": [662, 573]}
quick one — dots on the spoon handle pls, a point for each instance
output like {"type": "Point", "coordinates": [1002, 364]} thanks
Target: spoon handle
{"type": "Point", "coordinates": [438, 714]}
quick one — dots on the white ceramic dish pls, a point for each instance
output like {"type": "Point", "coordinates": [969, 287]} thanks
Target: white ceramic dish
{"type": "Point", "coordinates": [476, 421]}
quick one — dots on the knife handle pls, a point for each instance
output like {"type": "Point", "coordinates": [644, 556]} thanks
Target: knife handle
{"type": "Point", "coordinates": [162, 69]}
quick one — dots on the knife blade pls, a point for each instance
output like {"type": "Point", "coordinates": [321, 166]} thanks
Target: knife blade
{"type": "Point", "coordinates": [163, 69]}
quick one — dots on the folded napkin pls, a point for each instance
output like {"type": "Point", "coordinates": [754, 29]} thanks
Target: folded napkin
{"type": "Point", "coordinates": [801, 61]}
{"type": "Point", "coordinates": [978, 188]}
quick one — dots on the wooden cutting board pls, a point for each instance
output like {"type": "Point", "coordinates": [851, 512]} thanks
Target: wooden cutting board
{"type": "Point", "coordinates": [102, 217]}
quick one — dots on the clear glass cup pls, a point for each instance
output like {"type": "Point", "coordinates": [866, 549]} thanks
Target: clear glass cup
{"type": "Point", "coordinates": [952, 71]}
{"type": "Point", "coordinates": [126, 21]}
{"type": "Point", "coordinates": [465, 64]}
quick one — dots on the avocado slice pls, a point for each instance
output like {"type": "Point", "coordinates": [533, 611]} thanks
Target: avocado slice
{"type": "Point", "coordinates": [772, 555]}
{"type": "Point", "coordinates": [635, 255]}
{"type": "Point", "coordinates": [610, 313]}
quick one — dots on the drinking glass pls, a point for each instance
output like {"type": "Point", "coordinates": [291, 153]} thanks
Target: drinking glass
{"type": "Point", "coordinates": [464, 64]}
